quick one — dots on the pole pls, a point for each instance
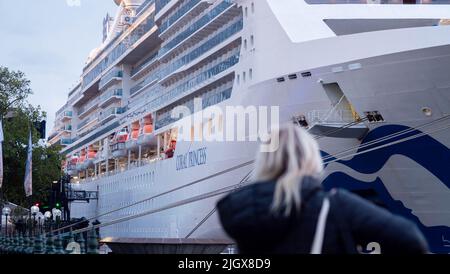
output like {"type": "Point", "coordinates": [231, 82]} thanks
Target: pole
{"type": "Point", "coordinates": [140, 155]}
{"type": "Point", "coordinates": [30, 201]}
{"type": "Point", "coordinates": [6, 225]}
{"type": "Point", "coordinates": [129, 159]}
{"type": "Point", "coordinates": [32, 226]}
{"type": "Point", "coordinates": [61, 193]}
{"type": "Point", "coordinates": [64, 185]}
{"type": "Point", "coordinates": [159, 147]}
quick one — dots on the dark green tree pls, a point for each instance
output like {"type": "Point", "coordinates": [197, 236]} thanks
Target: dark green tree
{"type": "Point", "coordinates": [14, 90]}
{"type": "Point", "coordinates": [18, 119]}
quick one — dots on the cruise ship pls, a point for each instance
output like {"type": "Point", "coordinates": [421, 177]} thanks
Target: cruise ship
{"type": "Point", "coordinates": [369, 78]}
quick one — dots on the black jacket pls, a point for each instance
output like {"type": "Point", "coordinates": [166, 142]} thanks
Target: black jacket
{"type": "Point", "coordinates": [352, 221]}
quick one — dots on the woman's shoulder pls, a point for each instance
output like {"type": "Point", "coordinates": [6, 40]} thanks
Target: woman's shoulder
{"type": "Point", "coordinates": [253, 190]}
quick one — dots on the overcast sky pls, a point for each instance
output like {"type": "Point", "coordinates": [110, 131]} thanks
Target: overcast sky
{"type": "Point", "coordinates": [49, 40]}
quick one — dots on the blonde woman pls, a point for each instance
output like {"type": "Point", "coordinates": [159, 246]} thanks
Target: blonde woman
{"type": "Point", "coordinates": [287, 211]}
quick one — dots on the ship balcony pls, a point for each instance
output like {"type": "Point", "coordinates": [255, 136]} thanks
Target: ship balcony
{"type": "Point", "coordinates": [162, 7]}
{"type": "Point", "coordinates": [210, 59]}
{"type": "Point", "coordinates": [110, 79]}
{"type": "Point", "coordinates": [110, 114]}
{"type": "Point", "coordinates": [110, 97]}
{"type": "Point", "coordinates": [145, 66]}
{"type": "Point", "coordinates": [147, 82]}
{"type": "Point", "coordinates": [60, 139]}
{"type": "Point", "coordinates": [64, 130]}
{"type": "Point", "coordinates": [336, 124]}
{"type": "Point", "coordinates": [66, 116]}
{"type": "Point", "coordinates": [127, 48]}
{"type": "Point", "coordinates": [194, 83]}
{"type": "Point", "coordinates": [52, 136]}
{"type": "Point", "coordinates": [88, 108]}
{"type": "Point", "coordinates": [66, 141]}
{"type": "Point", "coordinates": [220, 15]}
{"type": "Point", "coordinates": [182, 15]}
{"type": "Point", "coordinates": [215, 41]}
{"type": "Point", "coordinates": [146, 4]}
{"type": "Point", "coordinates": [87, 122]}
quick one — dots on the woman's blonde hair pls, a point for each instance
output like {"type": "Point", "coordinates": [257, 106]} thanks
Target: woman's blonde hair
{"type": "Point", "coordinates": [297, 156]}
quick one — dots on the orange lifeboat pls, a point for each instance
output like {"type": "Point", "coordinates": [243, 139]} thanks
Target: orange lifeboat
{"type": "Point", "coordinates": [90, 157]}
{"type": "Point", "coordinates": [132, 144]}
{"type": "Point", "coordinates": [80, 165]}
{"type": "Point", "coordinates": [118, 148]}
{"type": "Point", "coordinates": [147, 136]}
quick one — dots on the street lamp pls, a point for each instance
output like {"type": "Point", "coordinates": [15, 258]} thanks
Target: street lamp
{"type": "Point", "coordinates": [47, 218]}
{"type": "Point", "coordinates": [34, 210]}
{"type": "Point", "coordinates": [57, 214]}
{"type": "Point", "coordinates": [40, 217]}
{"type": "Point", "coordinates": [6, 211]}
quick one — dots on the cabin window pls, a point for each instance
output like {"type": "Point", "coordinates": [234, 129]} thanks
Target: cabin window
{"type": "Point", "coordinates": [246, 11]}
{"type": "Point", "coordinates": [253, 7]}
{"type": "Point", "coordinates": [245, 44]}
{"type": "Point", "coordinates": [252, 40]}
{"type": "Point", "coordinates": [243, 76]}
{"type": "Point", "coordinates": [250, 74]}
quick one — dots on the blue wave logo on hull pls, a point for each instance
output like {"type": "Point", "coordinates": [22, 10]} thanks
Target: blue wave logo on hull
{"type": "Point", "coordinates": [425, 150]}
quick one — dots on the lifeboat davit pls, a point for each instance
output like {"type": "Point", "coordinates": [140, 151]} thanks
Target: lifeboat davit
{"type": "Point", "coordinates": [118, 148]}
{"type": "Point", "coordinates": [131, 143]}
{"type": "Point", "coordinates": [147, 136]}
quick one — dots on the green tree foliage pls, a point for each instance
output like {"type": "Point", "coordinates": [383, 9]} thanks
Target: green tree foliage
{"type": "Point", "coordinates": [14, 90]}
{"type": "Point", "coordinates": [18, 118]}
